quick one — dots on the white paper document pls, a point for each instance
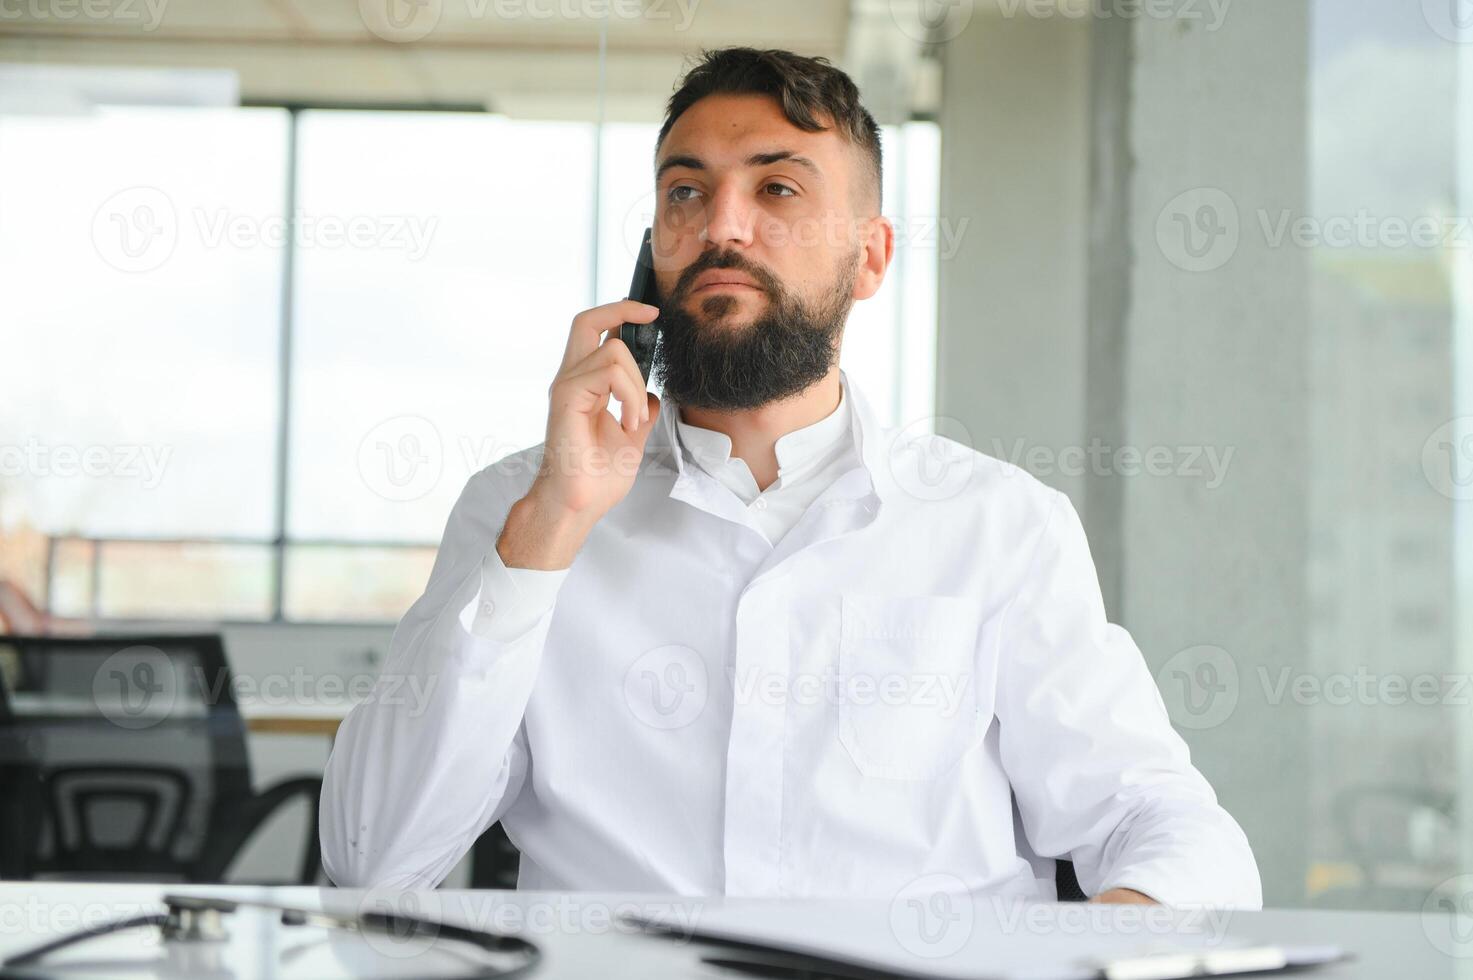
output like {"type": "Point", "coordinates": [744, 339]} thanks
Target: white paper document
{"type": "Point", "coordinates": [1002, 938]}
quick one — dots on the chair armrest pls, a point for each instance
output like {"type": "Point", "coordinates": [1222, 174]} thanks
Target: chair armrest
{"type": "Point", "coordinates": [231, 837]}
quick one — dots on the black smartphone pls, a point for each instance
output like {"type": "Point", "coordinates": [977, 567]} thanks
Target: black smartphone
{"type": "Point", "coordinates": [641, 337]}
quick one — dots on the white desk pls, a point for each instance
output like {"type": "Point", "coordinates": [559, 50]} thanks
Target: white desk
{"type": "Point", "coordinates": [580, 936]}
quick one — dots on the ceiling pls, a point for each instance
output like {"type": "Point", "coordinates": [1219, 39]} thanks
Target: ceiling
{"type": "Point", "coordinates": [522, 57]}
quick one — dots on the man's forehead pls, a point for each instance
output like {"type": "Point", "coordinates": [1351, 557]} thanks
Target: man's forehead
{"type": "Point", "coordinates": [736, 125]}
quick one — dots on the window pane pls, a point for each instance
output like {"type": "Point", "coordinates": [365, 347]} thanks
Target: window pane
{"type": "Point", "coordinates": [185, 580]}
{"type": "Point", "coordinates": [1384, 103]}
{"type": "Point", "coordinates": [890, 339]}
{"type": "Point", "coordinates": [139, 319]}
{"type": "Point", "coordinates": [425, 344]}
{"type": "Point", "coordinates": [72, 582]}
{"type": "Point", "coordinates": [354, 583]}
{"type": "Point", "coordinates": [22, 560]}
{"type": "Point", "coordinates": [928, 238]}
{"type": "Point", "coordinates": [626, 199]}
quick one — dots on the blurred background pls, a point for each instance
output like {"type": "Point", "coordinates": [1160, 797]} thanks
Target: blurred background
{"type": "Point", "coordinates": [277, 276]}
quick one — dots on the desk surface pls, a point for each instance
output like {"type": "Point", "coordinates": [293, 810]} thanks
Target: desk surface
{"type": "Point", "coordinates": [315, 718]}
{"type": "Point", "coordinates": [581, 935]}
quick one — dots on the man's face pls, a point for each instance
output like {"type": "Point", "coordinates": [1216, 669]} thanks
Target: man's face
{"type": "Point", "coordinates": [757, 246]}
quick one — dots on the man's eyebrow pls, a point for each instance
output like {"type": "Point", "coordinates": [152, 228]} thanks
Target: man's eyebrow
{"type": "Point", "coordinates": [763, 159]}
{"type": "Point", "coordinates": [755, 160]}
{"type": "Point", "coordinates": [690, 162]}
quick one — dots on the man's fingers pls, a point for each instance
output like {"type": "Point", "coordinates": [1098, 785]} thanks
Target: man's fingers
{"type": "Point", "coordinates": [615, 351]}
{"type": "Point", "coordinates": [591, 390]}
{"type": "Point", "coordinates": [590, 325]}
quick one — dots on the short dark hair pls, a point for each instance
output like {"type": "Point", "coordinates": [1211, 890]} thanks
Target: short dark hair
{"type": "Point", "coordinates": [807, 89]}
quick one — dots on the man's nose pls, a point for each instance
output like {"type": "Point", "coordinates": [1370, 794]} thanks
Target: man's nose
{"type": "Point", "coordinates": [730, 219]}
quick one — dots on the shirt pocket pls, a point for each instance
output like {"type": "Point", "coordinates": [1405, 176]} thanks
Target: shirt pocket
{"type": "Point", "coordinates": [910, 706]}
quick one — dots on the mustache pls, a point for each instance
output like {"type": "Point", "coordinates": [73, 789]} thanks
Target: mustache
{"type": "Point", "coordinates": [726, 260]}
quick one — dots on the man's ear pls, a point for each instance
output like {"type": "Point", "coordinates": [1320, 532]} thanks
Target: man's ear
{"type": "Point", "coordinates": [876, 249]}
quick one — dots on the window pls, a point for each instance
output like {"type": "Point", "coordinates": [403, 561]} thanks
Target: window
{"type": "Point", "coordinates": [139, 364]}
{"type": "Point", "coordinates": [1384, 110]}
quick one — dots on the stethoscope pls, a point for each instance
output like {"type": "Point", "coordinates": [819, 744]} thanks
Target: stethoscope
{"type": "Point", "coordinates": [200, 919]}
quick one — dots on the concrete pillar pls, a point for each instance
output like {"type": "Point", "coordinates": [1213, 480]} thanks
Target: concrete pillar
{"type": "Point", "coordinates": [1214, 359]}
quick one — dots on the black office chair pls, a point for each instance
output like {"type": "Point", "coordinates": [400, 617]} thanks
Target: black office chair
{"type": "Point", "coordinates": [124, 757]}
{"type": "Point", "coordinates": [1068, 883]}
{"type": "Point", "coordinates": [494, 860]}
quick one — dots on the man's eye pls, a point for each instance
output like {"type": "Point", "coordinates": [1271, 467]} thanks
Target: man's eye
{"type": "Point", "coordinates": [782, 190]}
{"type": "Point", "coordinates": [674, 196]}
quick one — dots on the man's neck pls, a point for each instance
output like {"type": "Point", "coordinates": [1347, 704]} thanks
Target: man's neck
{"type": "Point", "coordinates": [754, 433]}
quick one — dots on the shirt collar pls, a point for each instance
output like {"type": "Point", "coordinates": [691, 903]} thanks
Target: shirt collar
{"type": "Point", "coordinates": [662, 451]}
{"type": "Point", "coordinates": [798, 452]}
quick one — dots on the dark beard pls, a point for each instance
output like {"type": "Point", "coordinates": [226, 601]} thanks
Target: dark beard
{"type": "Point", "coordinates": [789, 347]}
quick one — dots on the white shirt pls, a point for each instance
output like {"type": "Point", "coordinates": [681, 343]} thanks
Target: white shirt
{"type": "Point", "coordinates": [692, 709]}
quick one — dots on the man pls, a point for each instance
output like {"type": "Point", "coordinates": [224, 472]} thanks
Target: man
{"type": "Point", "coordinates": [747, 642]}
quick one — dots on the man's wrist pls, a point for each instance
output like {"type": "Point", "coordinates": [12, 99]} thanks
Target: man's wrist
{"type": "Point", "coordinates": [540, 536]}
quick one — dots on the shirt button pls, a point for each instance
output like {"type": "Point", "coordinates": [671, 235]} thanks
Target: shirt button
{"type": "Point", "coordinates": [488, 607]}
{"type": "Point", "coordinates": [761, 504]}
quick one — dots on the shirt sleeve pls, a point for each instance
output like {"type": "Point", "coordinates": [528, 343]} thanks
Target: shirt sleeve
{"type": "Point", "coordinates": [437, 752]}
{"type": "Point", "coordinates": [1100, 775]}
{"type": "Point", "coordinates": [510, 600]}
